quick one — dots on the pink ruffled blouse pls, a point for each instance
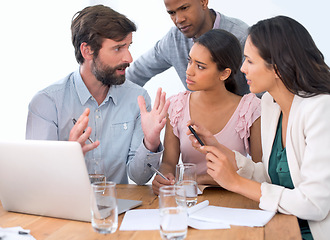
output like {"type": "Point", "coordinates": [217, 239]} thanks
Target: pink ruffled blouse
{"type": "Point", "coordinates": [235, 135]}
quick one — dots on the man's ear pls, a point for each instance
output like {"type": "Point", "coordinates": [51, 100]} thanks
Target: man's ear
{"type": "Point", "coordinates": [225, 74]}
{"type": "Point", "coordinates": [204, 3]}
{"type": "Point", "coordinates": [86, 51]}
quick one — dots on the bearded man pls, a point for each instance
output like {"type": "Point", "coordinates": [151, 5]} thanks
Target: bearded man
{"type": "Point", "coordinates": [114, 112]}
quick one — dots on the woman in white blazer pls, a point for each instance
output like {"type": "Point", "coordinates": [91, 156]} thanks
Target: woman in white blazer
{"type": "Point", "coordinates": [282, 59]}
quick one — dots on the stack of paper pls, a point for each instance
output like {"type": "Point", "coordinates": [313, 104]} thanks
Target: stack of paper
{"type": "Point", "coordinates": [201, 216]}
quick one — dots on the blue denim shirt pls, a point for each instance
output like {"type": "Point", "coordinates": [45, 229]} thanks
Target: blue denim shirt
{"type": "Point", "coordinates": [116, 123]}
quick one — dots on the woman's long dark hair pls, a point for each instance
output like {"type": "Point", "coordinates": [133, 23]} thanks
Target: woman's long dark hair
{"type": "Point", "coordinates": [290, 50]}
{"type": "Point", "coordinates": [226, 52]}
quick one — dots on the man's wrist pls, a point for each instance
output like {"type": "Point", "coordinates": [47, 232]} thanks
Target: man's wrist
{"type": "Point", "coordinates": [153, 148]}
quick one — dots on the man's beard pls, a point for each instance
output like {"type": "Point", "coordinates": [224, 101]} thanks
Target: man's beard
{"type": "Point", "coordinates": [106, 74]}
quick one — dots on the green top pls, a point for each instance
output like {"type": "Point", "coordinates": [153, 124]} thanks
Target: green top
{"type": "Point", "coordinates": [279, 173]}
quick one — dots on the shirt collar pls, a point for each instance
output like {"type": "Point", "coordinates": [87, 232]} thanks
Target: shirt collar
{"type": "Point", "coordinates": [216, 24]}
{"type": "Point", "coordinates": [81, 88]}
{"type": "Point", "coordinates": [113, 94]}
{"type": "Point", "coordinates": [84, 94]}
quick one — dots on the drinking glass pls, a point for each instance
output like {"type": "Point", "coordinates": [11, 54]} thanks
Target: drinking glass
{"type": "Point", "coordinates": [104, 207]}
{"type": "Point", "coordinates": [185, 176]}
{"type": "Point", "coordinates": [173, 212]}
{"type": "Point", "coordinates": [95, 168]}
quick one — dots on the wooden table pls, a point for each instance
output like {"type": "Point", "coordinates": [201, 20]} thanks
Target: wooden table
{"type": "Point", "coordinates": [280, 227]}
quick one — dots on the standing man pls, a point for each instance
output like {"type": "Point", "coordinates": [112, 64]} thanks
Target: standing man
{"type": "Point", "coordinates": [192, 18]}
{"type": "Point", "coordinates": [105, 105]}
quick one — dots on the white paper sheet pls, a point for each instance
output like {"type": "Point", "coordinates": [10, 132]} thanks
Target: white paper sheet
{"type": "Point", "coordinates": [201, 216]}
{"type": "Point", "coordinates": [233, 216]}
{"type": "Point", "coordinates": [13, 234]}
{"type": "Point", "coordinates": [201, 225]}
{"type": "Point", "coordinates": [197, 207]}
{"type": "Point", "coordinates": [140, 219]}
{"type": "Point", "coordinates": [148, 219]}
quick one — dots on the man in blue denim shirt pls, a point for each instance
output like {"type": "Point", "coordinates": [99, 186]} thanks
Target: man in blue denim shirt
{"type": "Point", "coordinates": [115, 112]}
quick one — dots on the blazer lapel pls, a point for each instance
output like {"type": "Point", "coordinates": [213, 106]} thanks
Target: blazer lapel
{"type": "Point", "coordinates": [290, 139]}
{"type": "Point", "coordinates": [270, 113]}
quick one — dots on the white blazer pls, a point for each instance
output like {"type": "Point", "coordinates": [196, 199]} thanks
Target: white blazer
{"type": "Point", "coordinates": [308, 154]}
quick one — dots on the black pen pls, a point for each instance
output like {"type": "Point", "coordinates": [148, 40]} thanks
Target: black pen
{"type": "Point", "coordinates": [74, 122]}
{"type": "Point", "coordinates": [196, 136]}
{"type": "Point", "coordinates": [158, 172]}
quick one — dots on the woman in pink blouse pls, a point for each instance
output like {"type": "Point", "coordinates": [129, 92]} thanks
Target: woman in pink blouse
{"type": "Point", "coordinates": [234, 120]}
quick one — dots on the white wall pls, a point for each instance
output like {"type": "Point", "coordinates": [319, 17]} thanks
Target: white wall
{"type": "Point", "coordinates": [36, 45]}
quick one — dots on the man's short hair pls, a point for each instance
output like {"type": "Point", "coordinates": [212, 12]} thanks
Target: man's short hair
{"type": "Point", "coordinates": [94, 24]}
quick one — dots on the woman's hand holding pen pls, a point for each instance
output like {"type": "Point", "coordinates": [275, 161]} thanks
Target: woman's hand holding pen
{"type": "Point", "coordinates": [80, 132]}
{"type": "Point", "coordinates": [205, 135]}
{"type": "Point", "coordinates": [221, 162]}
{"type": "Point", "coordinates": [160, 181]}
{"type": "Point", "coordinates": [221, 168]}
{"type": "Point", "coordinates": [208, 138]}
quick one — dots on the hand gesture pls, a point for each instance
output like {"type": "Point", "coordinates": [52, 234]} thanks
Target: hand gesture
{"type": "Point", "coordinates": [79, 134]}
{"type": "Point", "coordinates": [154, 121]}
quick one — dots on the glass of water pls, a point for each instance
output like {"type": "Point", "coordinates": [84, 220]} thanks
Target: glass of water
{"type": "Point", "coordinates": [95, 168]}
{"type": "Point", "coordinates": [173, 212]}
{"type": "Point", "coordinates": [104, 207]}
{"type": "Point", "coordinates": [185, 176]}
{"type": "Point", "coordinates": [97, 177]}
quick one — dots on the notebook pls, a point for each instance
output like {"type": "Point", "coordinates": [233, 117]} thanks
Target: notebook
{"type": "Point", "coordinates": [47, 178]}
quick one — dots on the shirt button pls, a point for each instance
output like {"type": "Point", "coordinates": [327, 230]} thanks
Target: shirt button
{"type": "Point", "coordinates": [125, 126]}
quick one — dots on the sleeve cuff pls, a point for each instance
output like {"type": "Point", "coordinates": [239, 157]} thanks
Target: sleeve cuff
{"type": "Point", "coordinates": [245, 166]}
{"type": "Point", "coordinates": [160, 148]}
{"type": "Point", "coordinates": [270, 196]}
{"type": "Point", "coordinates": [138, 171]}
{"type": "Point", "coordinates": [151, 157]}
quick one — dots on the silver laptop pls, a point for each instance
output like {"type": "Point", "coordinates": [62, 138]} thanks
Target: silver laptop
{"type": "Point", "coordinates": [47, 178]}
